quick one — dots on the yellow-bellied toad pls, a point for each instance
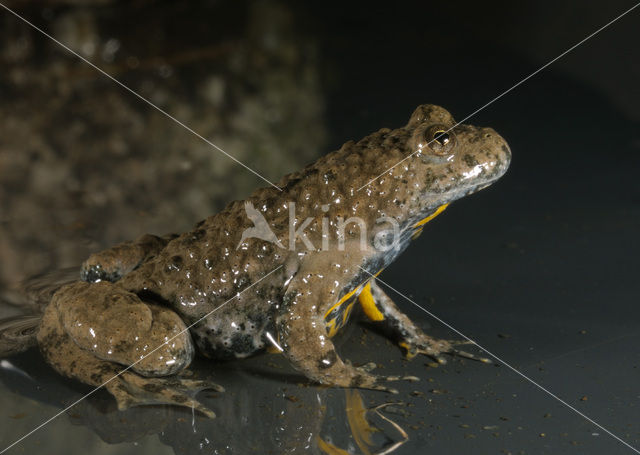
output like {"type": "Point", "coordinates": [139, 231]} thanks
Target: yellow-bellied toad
{"type": "Point", "coordinates": [283, 268]}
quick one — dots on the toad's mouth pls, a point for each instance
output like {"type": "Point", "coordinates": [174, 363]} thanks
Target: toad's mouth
{"type": "Point", "coordinates": [481, 187]}
{"type": "Point", "coordinates": [475, 189]}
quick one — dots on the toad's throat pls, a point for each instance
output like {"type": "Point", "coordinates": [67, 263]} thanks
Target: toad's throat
{"type": "Point", "coordinates": [337, 316]}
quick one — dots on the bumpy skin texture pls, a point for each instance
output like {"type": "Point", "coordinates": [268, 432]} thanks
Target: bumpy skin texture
{"type": "Point", "coordinates": [246, 295]}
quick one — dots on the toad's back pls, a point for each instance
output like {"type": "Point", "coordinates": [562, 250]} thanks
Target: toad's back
{"type": "Point", "coordinates": [204, 268]}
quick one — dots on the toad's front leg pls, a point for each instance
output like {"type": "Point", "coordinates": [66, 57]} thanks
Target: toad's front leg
{"type": "Point", "coordinates": [303, 336]}
{"type": "Point", "coordinates": [380, 309]}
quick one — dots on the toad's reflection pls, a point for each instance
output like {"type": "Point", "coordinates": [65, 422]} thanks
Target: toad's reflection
{"type": "Point", "coordinates": [256, 414]}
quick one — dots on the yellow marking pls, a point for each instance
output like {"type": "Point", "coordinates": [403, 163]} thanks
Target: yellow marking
{"type": "Point", "coordinates": [331, 328]}
{"type": "Point", "coordinates": [332, 324]}
{"type": "Point", "coordinates": [342, 300]}
{"type": "Point", "coordinates": [347, 313]}
{"type": "Point", "coordinates": [361, 430]}
{"type": "Point", "coordinates": [329, 448]}
{"type": "Point", "coordinates": [409, 354]}
{"type": "Point", "coordinates": [417, 233]}
{"type": "Point", "coordinates": [369, 305]}
{"type": "Point", "coordinates": [438, 211]}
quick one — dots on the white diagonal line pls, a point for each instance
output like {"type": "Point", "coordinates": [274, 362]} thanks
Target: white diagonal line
{"type": "Point", "coordinates": [135, 363]}
{"type": "Point", "coordinates": [515, 370]}
{"type": "Point", "coordinates": [142, 98]}
{"type": "Point", "coordinates": [510, 89]}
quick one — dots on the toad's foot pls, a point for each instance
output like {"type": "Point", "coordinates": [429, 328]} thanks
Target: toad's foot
{"type": "Point", "coordinates": [434, 348]}
{"type": "Point", "coordinates": [379, 308]}
{"type": "Point", "coordinates": [130, 389]}
{"type": "Point", "coordinates": [366, 380]}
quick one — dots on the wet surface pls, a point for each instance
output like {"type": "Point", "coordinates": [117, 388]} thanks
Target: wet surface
{"type": "Point", "coordinates": [540, 269]}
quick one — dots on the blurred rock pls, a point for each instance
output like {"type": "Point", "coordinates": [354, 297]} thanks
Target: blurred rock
{"type": "Point", "coordinates": [85, 164]}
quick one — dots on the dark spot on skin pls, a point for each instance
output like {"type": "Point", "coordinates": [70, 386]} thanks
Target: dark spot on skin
{"type": "Point", "coordinates": [256, 319]}
{"type": "Point", "coordinates": [179, 398]}
{"type": "Point", "coordinates": [291, 183]}
{"type": "Point", "coordinates": [120, 346]}
{"type": "Point", "coordinates": [241, 282]}
{"type": "Point", "coordinates": [106, 368]}
{"type": "Point", "coordinates": [207, 349]}
{"type": "Point", "coordinates": [469, 160]}
{"type": "Point", "coordinates": [242, 343]}
{"type": "Point", "coordinates": [429, 179]}
{"type": "Point", "coordinates": [268, 250]}
{"type": "Point", "coordinates": [287, 300]}
{"type": "Point", "coordinates": [357, 380]}
{"type": "Point", "coordinates": [328, 360]}
{"type": "Point", "coordinates": [153, 388]}
{"type": "Point", "coordinates": [197, 235]}
{"type": "Point", "coordinates": [328, 177]}
{"type": "Point", "coordinates": [149, 241]}
{"type": "Point", "coordinates": [175, 263]}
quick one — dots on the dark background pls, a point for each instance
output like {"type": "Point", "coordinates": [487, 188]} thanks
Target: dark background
{"type": "Point", "coordinates": [540, 269]}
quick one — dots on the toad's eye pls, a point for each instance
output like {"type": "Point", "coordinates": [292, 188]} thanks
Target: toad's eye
{"type": "Point", "coordinates": [439, 140]}
{"type": "Point", "coordinates": [441, 137]}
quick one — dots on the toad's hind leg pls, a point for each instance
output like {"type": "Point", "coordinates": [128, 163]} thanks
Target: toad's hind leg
{"type": "Point", "coordinates": [90, 330]}
{"type": "Point", "coordinates": [115, 262]}
{"type": "Point", "coordinates": [380, 309]}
